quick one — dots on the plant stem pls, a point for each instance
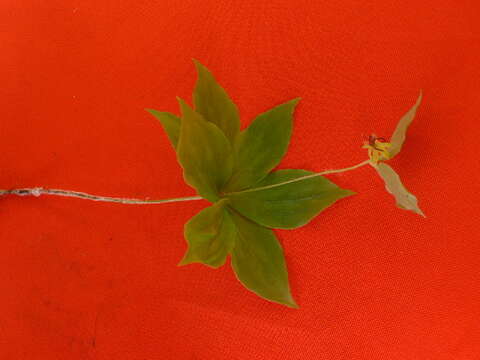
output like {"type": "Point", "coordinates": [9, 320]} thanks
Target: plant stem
{"type": "Point", "coordinates": [326, 172]}
{"type": "Point", "coordinates": [81, 195]}
{"type": "Point", "coordinates": [38, 191]}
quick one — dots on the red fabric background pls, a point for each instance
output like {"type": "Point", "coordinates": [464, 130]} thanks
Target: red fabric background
{"type": "Point", "coordinates": [83, 280]}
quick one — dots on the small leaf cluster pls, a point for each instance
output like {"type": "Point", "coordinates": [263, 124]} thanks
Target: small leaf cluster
{"type": "Point", "coordinates": [234, 170]}
{"type": "Point", "coordinates": [380, 152]}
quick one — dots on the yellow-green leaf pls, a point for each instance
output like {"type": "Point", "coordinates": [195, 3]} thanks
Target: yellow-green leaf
{"type": "Point", "coordinates": [170, 124]}
{"type": "Point", "coordinates": [259, 263]}
{"type": "Point", "coordinates": [400, 132]}
{"type": "Point", "coordinates": [393, 184]}
{"type": "Point", "coordinates": [210, 235]}
{"type": "Point", "coordinates": [214, 104]}
{"type": "Point", "coordinates": [204, 153]}
{"type": "Point", "coordinates": [283, 203]}
{"type": "Point", "coordinates": [261, 146]}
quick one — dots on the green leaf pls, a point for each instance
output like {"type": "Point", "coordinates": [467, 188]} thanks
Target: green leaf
{"type": "Point", "coordinates": [210, 235]}
{"type": "Point", "coordinates": [393, 184]}
{"type": "Point", "coordinates": [170, 123]}
{"type": "Point", "coordinates": [290, 205]}
{"type": "Point", "coordinates": [204, 153]}
{"type": "Point", "coordinates": [261, 146]}
{"type": "Point", "coordinates": [400, 132]}
{"type": "Point", "coordinates": [259, 263]}
{"type": "Point", "coordinates": [214, 104]}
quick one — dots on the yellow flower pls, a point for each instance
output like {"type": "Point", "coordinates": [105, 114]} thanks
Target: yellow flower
{"type": "Point", "coordinates": [377, 149]}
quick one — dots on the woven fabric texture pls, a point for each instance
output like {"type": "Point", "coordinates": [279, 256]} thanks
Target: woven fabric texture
{"type": "Point", "coordinates": [84, 280]}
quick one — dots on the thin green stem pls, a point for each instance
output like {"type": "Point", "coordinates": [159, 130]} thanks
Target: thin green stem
{"type": "Point", "coordinates": [326, 172]}
{"type": "Point", "coordinates": [38, 191]}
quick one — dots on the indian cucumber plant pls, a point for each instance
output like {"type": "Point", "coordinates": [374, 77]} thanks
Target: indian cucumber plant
{"type": "Point", "coordinates": [234, 170]}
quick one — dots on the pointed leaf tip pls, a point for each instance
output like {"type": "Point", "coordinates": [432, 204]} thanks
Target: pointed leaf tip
{"type": "Point", "coordinates": [210, 235]}
{"type": "Point", "coordinates": [213, 103]}
{"type": "Point", "coordinates": [400, 133]}
{"type": "Point", "coordinates": [259, 263]}
{"type": "Point", "coordinates": [405, 200]}
{"type": "Point", "coordinates": [170, 124]}
{"type": "Point", "coordinates": [281, 202]}
{"type": "Point", "coordinates": [261, 146]}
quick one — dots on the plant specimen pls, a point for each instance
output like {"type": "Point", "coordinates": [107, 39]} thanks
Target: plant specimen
{"type": "Point", "coordinates": [234, 170]}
